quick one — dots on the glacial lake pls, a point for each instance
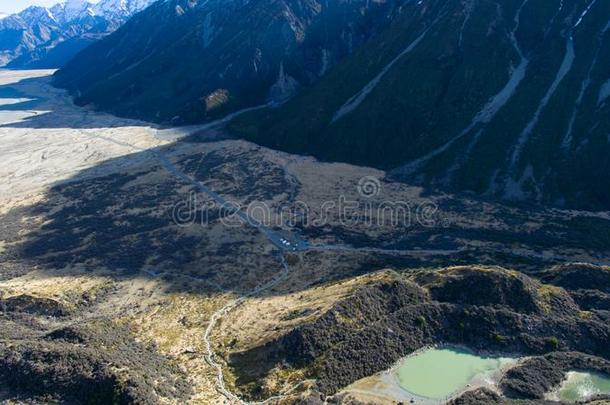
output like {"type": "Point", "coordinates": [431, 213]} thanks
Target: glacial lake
{"type": "Point", "coordinates": [432, 376]}
{"type": "Point", "coordinates": [439, 373]}
{"type": "Point", "coordinates": [580, 386]}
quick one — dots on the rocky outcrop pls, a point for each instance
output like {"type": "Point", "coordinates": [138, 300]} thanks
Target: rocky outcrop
{"type": "Point", "coordinates": [68, 365]}
{"type": "Point", "coordinates": [496, 287]}
{"type": "Point", "coordinates": [33, 306]}
{"type": "Point", "coordinates": [588, 284]}
{"type": "Point", "coordinates": [484, 396]}
{"type": "Point", "coordinates": [480, 396]}
{"type": "Point", "coordinates": [579, 276]}
{"type": "Point", "coordinates": [503, 311]}
{"type": "Point", "coordinates": [537, 376]}
{"type": "Point", "coordinates": [372, 303]}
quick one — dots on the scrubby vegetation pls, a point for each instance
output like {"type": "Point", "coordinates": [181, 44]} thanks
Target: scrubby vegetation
{"type": "Point", "coordinates": [97, 363]}
{"type": "Point", "coordinates": [484, 308]}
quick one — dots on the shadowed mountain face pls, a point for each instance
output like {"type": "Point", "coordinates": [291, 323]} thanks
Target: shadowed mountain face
{"type": "Point", "coordinates": [505, 99]}
{"type": "Point", "coordinates": [43, 38]}
{"type": "Point", "coordinates": [214, 57]}
{"type": "Point", "coordinates": [508, 100]}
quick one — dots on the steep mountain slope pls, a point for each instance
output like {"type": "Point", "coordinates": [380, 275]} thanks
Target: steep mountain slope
{"type": "Point", "coordinates": [40, 37]}
{"type": "Point", "coordinates": [508, 100]}
{"type": "Point", "coordinates": [213, 57]}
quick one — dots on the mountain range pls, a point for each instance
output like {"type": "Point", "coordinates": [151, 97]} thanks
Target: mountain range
{"type": "Point", "coordinates": [218, 56]}
{"type": "Point", "coordinates": [506, 99]}
{"type": "Point", "coordinates": [40, 37]}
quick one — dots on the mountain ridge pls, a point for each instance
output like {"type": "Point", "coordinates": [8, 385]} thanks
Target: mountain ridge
{"type": "Point", "coordinates": [505, 100]}
{"type": "Point", "coordinates": [232, 55]}
{"type": "Point", "coordinates": [41, 37]}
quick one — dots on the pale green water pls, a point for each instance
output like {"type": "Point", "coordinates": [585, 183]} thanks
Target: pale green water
{"type": "Point", "coordinates": [582, 386]}
{"type": "Point", "coordinates": [439, 373]}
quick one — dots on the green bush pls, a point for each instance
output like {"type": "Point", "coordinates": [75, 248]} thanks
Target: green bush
{"type": "Point", "coordinates": [553, 342]}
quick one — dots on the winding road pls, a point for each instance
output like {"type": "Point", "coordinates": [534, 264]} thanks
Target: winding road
{"type": "Point", "coordinates": [276, 239]}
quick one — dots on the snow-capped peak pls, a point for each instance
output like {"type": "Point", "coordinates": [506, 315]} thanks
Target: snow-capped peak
{"type": "Point", "coordinates": [74, 9]}
{"type": "Point", "coordinates": [120, 8]}
{"type": "Point", "coordinates": [36, 14]}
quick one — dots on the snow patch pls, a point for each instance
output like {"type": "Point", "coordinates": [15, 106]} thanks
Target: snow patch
{"type": "Point", "coordinates": [120, 8]}
{"type": "Point", "coordinates": [584, 13]}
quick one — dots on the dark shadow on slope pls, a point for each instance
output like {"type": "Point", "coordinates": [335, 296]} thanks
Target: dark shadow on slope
{"type": "Point", "coordinates": [102, 222]}
{"type": "Point", "coordinates": [123, 221]}
{"type": "Point", "coordinates": [119, 216]}
{"type": "Point", "coordinates": [8, 92]}
{"type": "Point", "coordinates": [124, 224]}
{"type": "Point", "coordinates": [54, 108]}
{"type": "Point", "coordinates": [107, 218]}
